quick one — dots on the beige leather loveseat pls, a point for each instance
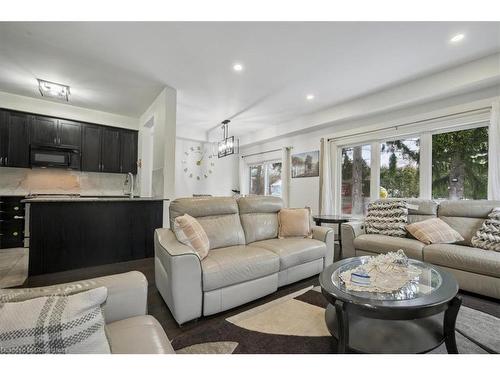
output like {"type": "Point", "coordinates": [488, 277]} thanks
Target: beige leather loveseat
{"type": "Point", "coordinates": [475, 269]}
{"type": "Point", "coordinates": [246, 259]}
{"type": "Point", "coordinates": [128, 327]}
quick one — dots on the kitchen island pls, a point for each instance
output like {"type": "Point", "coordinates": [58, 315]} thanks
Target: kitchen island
{"type": "Point", "coordinates": [74, 232]}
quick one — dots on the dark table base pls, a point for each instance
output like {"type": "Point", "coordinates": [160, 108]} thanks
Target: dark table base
{"type": "Point", "coordinates": [367, 335]}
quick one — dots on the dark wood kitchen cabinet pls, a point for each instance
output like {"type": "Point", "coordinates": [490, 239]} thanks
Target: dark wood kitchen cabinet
{"type": "Point", "coordinates": [44, 130]}
{"type": "Point", "coordinates": [128, 151]}
{"type": "Point", "coordinates": [110, 151]}
{"type": "Point", "coordinates": [14, 139]}
{"type": "Point", "coordinates": [55, 132]}
{"type": "Point", "coordinates": [102, 148]}
{"type": "Point", "coordinates": [69, 134]}
{"type": "Point", "coordinates": [91, 148]}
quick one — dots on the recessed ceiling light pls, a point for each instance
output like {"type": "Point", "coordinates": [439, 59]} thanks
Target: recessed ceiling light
{"type": "Point", "coordinates": [53, 90]}
{"type": "Point", "coordinates": [237, 67]}
{"type": "Point", "coordinates": [457, 38]}
{"type": "Point", "coordinates": [310, 97]}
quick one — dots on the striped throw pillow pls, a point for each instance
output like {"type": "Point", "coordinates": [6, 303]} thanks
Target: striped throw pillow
{"type": "Point", "coordinates": [488, 236]}
{"type": "Point", "coordinates": [387, 217]}
{"type": "Point", "coordinates": [55, 324]}
{"type": "Point", "coordinates": [190, 232]}
{"type": "Point", "coordinates": [434, 231]}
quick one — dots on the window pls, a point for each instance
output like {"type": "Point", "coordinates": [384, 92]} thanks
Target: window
{"type": "Point", "coordinates": [460, 164]}
{"type": "Point", "coordinates": [399, 168]}
{"type": "Point", "coordinates": [355, 193]}
{"type": "Point", "coordinates": [265, 179]}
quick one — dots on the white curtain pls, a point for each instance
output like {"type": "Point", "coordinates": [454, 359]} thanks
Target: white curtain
{"type": "Point", "coordinates": [285, 176]}
{"type": "Point", "coordinates": [494, 153]}
{"type": "Point", "coordinates": [325, 188]}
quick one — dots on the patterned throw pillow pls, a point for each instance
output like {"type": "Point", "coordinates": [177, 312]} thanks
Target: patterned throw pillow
{"type": "Point", "coordinates": [294, 222]}
{"type": "Point", "coordinates": [387, 217]}
{"type": "Point", "coordinates": [55, 324]}
{"type": "Point", "coordinates": [434, 231]}
{"type": "Point", "coordinates": [190, 232]}
{"type": "Point", "coordinates": [488, 236]}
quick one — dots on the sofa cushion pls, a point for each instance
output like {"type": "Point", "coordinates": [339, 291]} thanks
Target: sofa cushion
{"type": "Point", "coordinates": [488, 236]}
{"type": "Point", "coordinates": [138, 335]}
{"type": "Point", "coordinates": [236, 264]}
{"type": "Point", "coordinates": [434, 231]}
{"type": "Point", "coordinates": [294, 251]}
{"type": "Point", "coordinates": [55, 324]}
{"type": "Point", "coordinates": [223, 231]}
{"type": "Point", "coordinates": [189, 232]}
{"type": "Point", "coordinates": [464, 258]}
{"type": "Point", "coordinates": [294, 222]}
{"type": "Point", "coordinates": [387, 217]}
{"type": "Point", "coordinates": [378, 243]}
{"type": "Point", "coordinates": [259, 217]}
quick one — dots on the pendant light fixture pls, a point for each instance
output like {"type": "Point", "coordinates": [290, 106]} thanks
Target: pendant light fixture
{"type": "Point", "coordinates": [228, 145]}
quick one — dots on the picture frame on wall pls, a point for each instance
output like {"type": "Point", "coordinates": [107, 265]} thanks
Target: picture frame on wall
{"type": "Point", "coordinates": [305, 164]}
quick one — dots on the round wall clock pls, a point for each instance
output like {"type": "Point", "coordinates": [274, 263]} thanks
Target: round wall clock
{"type": "Point", "coordinates": [198, 163]}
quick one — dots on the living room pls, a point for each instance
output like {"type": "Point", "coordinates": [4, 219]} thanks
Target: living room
{"type": "Point", "coordinates": [231, 183]}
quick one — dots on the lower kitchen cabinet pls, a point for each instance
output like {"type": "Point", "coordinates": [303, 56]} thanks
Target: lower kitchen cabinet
{"type": "Point", "coordinates": [11, 222]}
{"type": "Point", "coordinates": [69, 235]}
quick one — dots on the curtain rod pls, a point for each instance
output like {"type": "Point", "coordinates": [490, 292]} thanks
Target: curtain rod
{"type": "Point", "coordinates": [263, 152]}
{"type": "Point", "coordinates": [408, 124]}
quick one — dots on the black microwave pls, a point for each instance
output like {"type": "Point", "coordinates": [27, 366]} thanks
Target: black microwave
{"type": "Point", "coordinates": [54, 157]}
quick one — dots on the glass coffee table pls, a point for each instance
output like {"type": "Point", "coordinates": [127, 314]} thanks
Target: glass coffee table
{"type": "Point", "coordinates": [414, 319]}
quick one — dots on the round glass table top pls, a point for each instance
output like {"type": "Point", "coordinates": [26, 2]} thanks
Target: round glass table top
{"type": "Point", "coordinates": [427, 282]}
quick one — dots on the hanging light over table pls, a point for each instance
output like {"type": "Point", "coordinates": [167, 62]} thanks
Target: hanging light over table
{"type": "Point", "coordinates": [228, 145]}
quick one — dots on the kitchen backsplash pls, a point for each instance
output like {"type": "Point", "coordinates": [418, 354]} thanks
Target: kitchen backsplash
{"type": "Point", "coordinates": [23, 181]}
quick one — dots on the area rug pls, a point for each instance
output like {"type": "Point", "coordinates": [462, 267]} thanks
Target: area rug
{"type": "Point", "coordinates": [296, 324]}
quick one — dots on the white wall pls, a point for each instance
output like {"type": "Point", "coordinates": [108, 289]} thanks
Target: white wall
{"type": "Point", "coordinates": [220, 182]}
{"type": "Point", "coordinates": [68, 111]}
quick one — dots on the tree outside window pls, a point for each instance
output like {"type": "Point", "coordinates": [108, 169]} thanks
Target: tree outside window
{"type": "Point", "coordinates": [265, 179]}
{"type": "Point", "coordinates": [460, 164]}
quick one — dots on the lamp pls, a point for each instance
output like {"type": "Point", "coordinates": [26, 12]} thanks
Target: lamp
{"type": "Point", "coordinates": [227, 146]}
{"type": "Point", "coordinates": [53, 90]}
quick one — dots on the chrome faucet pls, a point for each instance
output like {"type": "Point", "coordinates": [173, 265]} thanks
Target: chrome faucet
{"type": "Point", "coordinates": [129, 180]}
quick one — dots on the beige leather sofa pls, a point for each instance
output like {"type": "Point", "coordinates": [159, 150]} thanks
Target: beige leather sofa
{"type": "Point", "coordinates": [246, 260]}
{"type": "Point", "coordinates": [475, 269]}
{"type": "Point", "coordinates": [128, 328]}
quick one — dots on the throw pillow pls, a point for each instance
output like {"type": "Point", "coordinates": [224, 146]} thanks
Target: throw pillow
{"type": "Point", "coordinates": [55, 324]}
{"type": "Point", "coordinates": [488, 236]}
{"type": "Point", "coordinates": [387, 217]}
{"type": "Point", "coordinates": [190, 232]}
{"type": "Point", "coordinates": [434, 231]}
{"type": "Point", "coordinates": [294, 222]}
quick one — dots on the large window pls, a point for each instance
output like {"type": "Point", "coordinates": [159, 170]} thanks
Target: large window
{"type": "Point", "coordinates": [265, 179]}
{"type": "Point", "coordinates": [356, 163]}
{"type": "Point", "coordinates": [460, 164]}
{"type": "Point", "coordinates": [399, 168]}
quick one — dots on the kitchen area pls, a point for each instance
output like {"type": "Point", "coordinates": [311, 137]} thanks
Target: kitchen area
{"type": "Point", "coordinates": [68, 196]}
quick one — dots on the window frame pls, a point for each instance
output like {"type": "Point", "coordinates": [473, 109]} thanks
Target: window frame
{"type": "Point", "coordinates": [446, 125]}
{"type": "Point", "coordinates": [264, 163]}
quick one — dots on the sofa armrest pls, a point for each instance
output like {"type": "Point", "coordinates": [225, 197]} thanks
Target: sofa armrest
{"type": "Point", "coordinates": [326, 234]}
{"type": "Point", "coordinates": [178, 276]}
{"type": "Point", "coordinates": [127, 294]}
{"type": "Point", "coordinates": [350, 231]}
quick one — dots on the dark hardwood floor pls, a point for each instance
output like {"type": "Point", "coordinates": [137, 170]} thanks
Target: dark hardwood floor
{"type": "Point", "coordinates": [158, 308]}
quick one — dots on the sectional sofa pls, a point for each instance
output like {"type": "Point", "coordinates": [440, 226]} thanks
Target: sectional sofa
{"type": "Point", "coordinates": [246, 260]}
{"type": "Point", "coordinates": [475, 269]}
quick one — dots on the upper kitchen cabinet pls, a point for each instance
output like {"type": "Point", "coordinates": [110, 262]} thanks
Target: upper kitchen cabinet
{"type": "Point", "coordinates": [69, 134]}
{"type": "Point", "coordinates": [55, 132]}
{"type": "Point", "coordinates": [91, 148]}
{"type": "Point", "coordinates": [128, 151]}
{"type": "Point", "coordinates": [44, 130]}
{"type": "Point", "coordinates": [110, 150]}
{"type": "Point", "coordinates": [14, 139]}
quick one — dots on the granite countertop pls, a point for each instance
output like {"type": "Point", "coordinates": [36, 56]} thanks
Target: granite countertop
{"type": "Point", "coordinates": [91, 199]}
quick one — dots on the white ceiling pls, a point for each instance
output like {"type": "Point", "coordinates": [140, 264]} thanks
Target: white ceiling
{"type": "Point", "coordinates": [121, 67]}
